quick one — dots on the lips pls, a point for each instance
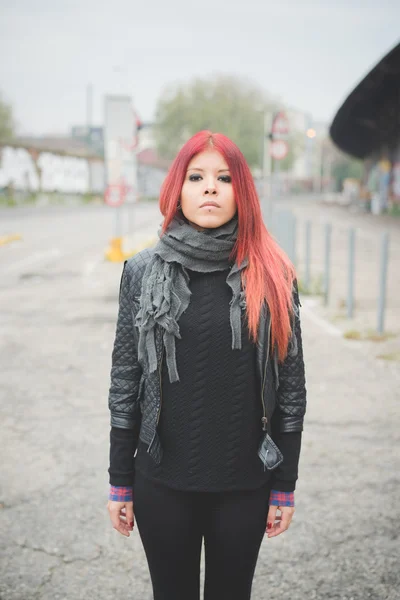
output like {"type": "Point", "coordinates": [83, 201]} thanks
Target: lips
{"type": "Point", "coordinates": [210, 203]}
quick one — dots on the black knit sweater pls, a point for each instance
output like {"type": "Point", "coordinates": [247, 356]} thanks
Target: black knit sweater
{"type": "Point", "coordinates": [210, 421]}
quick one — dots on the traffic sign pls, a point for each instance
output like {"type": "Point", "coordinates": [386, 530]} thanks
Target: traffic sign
{"type": "Point", "coordinates": [115, 194]}
{"type": "Point", "coordinates": [279, 149]}
{"type": "Point", "coordinates": [280, 125]}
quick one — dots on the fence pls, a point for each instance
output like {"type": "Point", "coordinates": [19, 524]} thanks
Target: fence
{"type": "Point", "coordinates": [347, 266]}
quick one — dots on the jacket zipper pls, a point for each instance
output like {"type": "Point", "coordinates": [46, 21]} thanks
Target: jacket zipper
{"type": "Point", "coordinates": [159, 375]}
{"type": "Point", "coordinates": [264, 419]}
{"type": "Point", "coordinates": [159, 408]}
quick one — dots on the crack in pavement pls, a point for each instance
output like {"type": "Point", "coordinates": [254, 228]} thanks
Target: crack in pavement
{"type": "Point", "coordinates": [59, 555]}
{"type": "Point", "coordinates": [36, 495]}
{"type": "Point", "coordinates": [63, 560]}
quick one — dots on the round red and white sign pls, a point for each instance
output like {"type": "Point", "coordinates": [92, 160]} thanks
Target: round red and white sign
{"type": "Point", "coordinates": [115, 194]}
{"type": "Point", "coordinates": [279, 149]}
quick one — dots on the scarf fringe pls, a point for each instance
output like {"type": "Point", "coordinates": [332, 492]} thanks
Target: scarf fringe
{"type": "Point", "coordinates": [165, 287]}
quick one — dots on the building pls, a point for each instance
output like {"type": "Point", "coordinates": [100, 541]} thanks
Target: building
{"type": "Point", "coordinates": [367, 126]}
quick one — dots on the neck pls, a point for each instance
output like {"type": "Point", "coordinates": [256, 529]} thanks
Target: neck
{"type": "Point", "coordinates": [196, 226]}
{"type": "Point", "coordinates": [199, 228]}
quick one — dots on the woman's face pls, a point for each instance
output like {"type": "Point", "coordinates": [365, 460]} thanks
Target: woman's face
{"type": "Point", "coordinates": [207, 197]}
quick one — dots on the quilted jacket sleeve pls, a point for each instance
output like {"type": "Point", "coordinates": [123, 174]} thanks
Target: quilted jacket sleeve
{"type": "Point", "coordinates": [123, 398]}
{"type": "Point", "coordinates": [291, 393]}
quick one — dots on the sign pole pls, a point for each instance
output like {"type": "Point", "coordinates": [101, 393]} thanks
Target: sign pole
{"type": "Point", "coordinates": [279, 145]}
{"type": "Point", "coordinates": [120, 159]}
{"type": "Point", "coordinates": [267, 166]}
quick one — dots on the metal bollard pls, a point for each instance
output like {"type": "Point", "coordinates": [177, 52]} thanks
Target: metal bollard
{"type": "Point", "coordinates": [307, 279]}
{"type": "Point", "coordinates": [292, 238]}
{"type": "Point", "coordinates": [118, 222]}
{"type": "Point", "coordinates": [286, 230]}
{"type": "Point", "coordinates": [383, 281]}
{"type": "Point", "coordinates": [327, 271]}
{"type": "Point", "coordinates": [350, 287]}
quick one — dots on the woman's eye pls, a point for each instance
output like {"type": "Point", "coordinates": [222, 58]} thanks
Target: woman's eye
{"type": "Point", "coordinates": [224, 178]}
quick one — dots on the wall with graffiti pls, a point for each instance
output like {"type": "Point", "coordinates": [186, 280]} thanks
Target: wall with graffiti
{"type": "Point", "coordinates": [28, 170]}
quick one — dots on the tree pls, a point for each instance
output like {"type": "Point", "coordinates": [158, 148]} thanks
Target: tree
{"type": "Point", "coordinates": [6, 122]}
{"type": "Point", "coordinates": [224, 104]}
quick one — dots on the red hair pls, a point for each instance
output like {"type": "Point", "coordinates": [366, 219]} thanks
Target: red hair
{"type": "Point", "coordinates": [270, 274]}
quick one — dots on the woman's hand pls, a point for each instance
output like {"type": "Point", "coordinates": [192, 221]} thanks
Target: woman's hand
{"type": "Point", "coordinates": [283, 519]}
{"type": "Point", "coordinates": [121, 515]}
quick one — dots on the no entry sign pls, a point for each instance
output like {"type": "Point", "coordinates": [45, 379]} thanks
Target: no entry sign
{"type": "Point", "coordinates": [115, 194]}
{"type": "Point", "coordinates": [279, 149]}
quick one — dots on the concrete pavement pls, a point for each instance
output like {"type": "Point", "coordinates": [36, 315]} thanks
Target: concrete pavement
{"type": "Point", "coordinates": [57, 319]}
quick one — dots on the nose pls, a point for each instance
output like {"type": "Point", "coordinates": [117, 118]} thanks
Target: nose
{"type": "Point", "coordinates": [210, 189]}
{"type": "Point", "coordinates": [210, 184]}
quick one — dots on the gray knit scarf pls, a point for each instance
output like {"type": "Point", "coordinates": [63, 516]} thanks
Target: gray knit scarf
{"type": "Point", "coordinates": [165, 289]}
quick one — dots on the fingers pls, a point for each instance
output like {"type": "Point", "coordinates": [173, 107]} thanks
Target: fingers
{"type": "Point", "coordinates": [118, 512]}
{"type": "Point", "coordinates": [271, 517]}
{"type": "Point", "coordinates": [283, 521]}
{"type": "Point", "coordinates": [130, 519]}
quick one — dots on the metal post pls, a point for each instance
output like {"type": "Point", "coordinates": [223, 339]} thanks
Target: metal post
{"type": "Point", "coordinates": [350, 288]}
{"type": "Point", "coordinates": [118, 222]}
{"type": "Point", "coordinates": [89, 112]}
{"type": "Point", "coordinates": [382, 281]}
{"type": "Point", "coordinates": [277, 174]}
{"type": "Point", "coordinates": [327, 275]}
{"type": "Point", "coordinates": [89, 107]}
{"type": "Point", "coordinates": [285, 230]}
{"type": "Point", "coordinates": [308, 256]}
{"type": "Point", "coordinates": [320, 166]}
{"type": "Point", "coordinates": [267, 167]}
{"type": "Point", "coordinates": [292, 238]}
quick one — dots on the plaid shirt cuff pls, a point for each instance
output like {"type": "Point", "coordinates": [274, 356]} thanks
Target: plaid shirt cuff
{"type": "Point", "coordinates": [120, 494]}
{"type": "Point", "coordinates": [277, 498]}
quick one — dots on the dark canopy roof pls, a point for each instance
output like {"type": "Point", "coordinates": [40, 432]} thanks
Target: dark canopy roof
{"type": "Point", "coordinates": [370, 116]}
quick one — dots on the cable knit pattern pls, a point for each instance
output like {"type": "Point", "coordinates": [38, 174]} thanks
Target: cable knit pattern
{"type": "Point", "coordinates": [210, 423]}
{"type": "Point", "coordinates": [197, 400]}
{"type": "Point", "coordinates": [238, 389]}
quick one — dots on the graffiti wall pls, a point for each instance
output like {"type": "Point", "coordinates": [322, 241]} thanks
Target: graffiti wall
{"type": "Point", "coordinates": [32, 171]}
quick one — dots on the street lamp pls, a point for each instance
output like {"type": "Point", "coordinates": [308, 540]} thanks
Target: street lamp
{"type": "Point", "coordinates": [318, 147]}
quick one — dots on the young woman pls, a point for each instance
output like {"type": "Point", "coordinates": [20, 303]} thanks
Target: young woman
{"type": "Point", "coordinates": [207, 382]}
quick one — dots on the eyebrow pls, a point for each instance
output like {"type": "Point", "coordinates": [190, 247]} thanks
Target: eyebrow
{"type": "Point", "coordinates": [202, 170]}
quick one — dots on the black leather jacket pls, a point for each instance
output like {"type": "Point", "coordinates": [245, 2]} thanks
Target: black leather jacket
{"type": "Point", "coordinates": [135, 398]}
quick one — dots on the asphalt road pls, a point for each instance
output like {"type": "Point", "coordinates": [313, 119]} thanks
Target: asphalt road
{"type": "Point", "coordinates": [58, 306]}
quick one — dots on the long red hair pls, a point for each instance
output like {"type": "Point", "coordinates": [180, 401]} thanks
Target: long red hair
{"type": "Point", "coordinates": [269, 275]}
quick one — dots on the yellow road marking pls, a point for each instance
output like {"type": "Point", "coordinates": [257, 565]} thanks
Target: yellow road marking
{"type": "Point", "coordinates": [7, 239]}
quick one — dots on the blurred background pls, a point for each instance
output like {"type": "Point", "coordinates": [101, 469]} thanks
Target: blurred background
{"type": "Point", "coordinates": [95, 102]}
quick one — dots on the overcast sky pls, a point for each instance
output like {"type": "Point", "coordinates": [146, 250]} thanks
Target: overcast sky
{"type": "Point", "coordinates": [309, 53]}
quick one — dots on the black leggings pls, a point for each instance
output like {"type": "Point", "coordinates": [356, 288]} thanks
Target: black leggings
{"type": "Point", "coordinates": [172, 524]}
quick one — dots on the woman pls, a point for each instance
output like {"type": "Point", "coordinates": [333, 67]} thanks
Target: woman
{"type": "Point", "coordinates": [207, 382]}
